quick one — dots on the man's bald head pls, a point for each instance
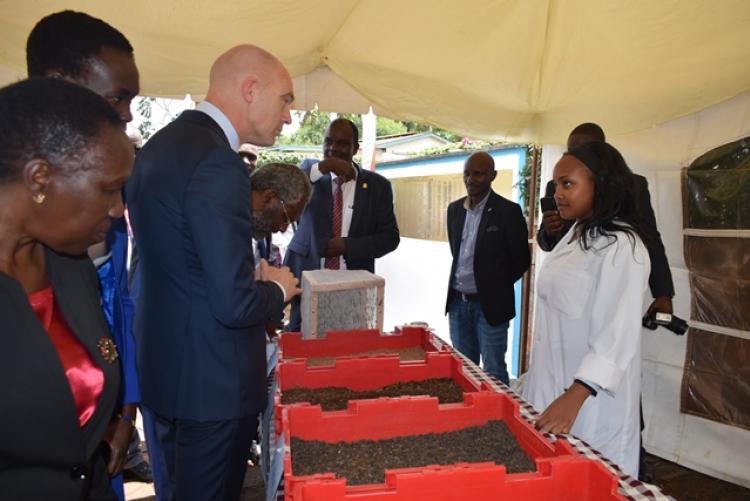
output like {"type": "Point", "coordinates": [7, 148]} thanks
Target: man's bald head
{"type": "Point", "coordinates": [254, 90]}
{"type": "Point", "coordinates": [481, 158]}
{"type": "Point", "coordinates": [237, 63]}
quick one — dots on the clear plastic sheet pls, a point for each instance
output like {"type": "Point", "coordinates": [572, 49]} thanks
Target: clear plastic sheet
{"type": "Point", "coordinates": [718, 188]}
{"type": "Point", "coordinates": [720, 301]}
{"type": "Point", "coordinates": [716, 384]}
{"type": "Point", "coordinates": [718, 257]}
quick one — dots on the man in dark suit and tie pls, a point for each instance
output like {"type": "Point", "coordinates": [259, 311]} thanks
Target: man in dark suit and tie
{"type": "Point", "coordinates": [489, 243]}
{"type": "Point", "coordinates": [350, 220]}
{"type": "Point", "coordinates": [553, 227]}
{"type": "Point", "coordinates": [201, 313]}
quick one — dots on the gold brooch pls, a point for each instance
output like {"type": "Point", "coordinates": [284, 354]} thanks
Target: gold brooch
{"type": "Point", "coordinates": [108, 349]}
{"type": "Point", "coordinates": [364, 186]}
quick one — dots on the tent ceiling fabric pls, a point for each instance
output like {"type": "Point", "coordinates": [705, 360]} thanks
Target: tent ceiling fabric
{"type": "Point", "coordinates": [513, 69]}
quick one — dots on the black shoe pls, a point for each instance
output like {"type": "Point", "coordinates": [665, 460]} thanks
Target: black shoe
{"type": "Point", "coordinates": [138, 473]}
{"type": "Point", "coordinates": [644, 473]}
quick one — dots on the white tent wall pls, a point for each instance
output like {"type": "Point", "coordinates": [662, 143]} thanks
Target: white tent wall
{"type": "Point", "coordinates": [659, 153]}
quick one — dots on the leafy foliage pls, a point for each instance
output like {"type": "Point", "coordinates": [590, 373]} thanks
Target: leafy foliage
{"type": "Point", "coordinates": [524, 179]}
{"type": "Point", "coordinates": [421, 127]}
{"type": "Point", "coordinates": [311, 131]}
{"type": "Point", "coordinates": [388, 127]}
{"type": "Point", "coordinates": [144, 109]}
{"type": "Point", "coordinates": [465, 144]}
{"type": "Point", "coordinates": [314, 122]}
{"type": "Point", "coordinates": [265, 157]}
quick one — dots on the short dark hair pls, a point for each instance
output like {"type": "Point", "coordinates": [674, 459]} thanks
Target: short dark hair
{"type": "Point", "coordinates": [51, 119]}
{"type": "Point", "coordinates": [67, 41]}
{"type": "Point", "coordinates": [355, 130]}
{"type": "Point", "coordinates": [288, 181]}
{"type": "Point", "coordinates": [589, 129]}
{"type": "Point", "coordinates": [614, 207]}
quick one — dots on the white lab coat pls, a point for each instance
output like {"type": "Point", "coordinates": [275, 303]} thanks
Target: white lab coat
{"type": "Point", "coordinates": [588, 326]}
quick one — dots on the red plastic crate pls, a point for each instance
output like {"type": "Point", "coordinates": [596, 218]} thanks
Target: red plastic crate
{"type": "Point", "coordinates": [557, 479]}
{"type": "Point", "coordinates": [561, 473]}
{"type": "Point", "coordinates": [360, 374]}
{"type": "Point", "coordinates": [345, 343]}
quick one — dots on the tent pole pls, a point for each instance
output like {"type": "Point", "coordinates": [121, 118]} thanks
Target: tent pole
{"type": "Point", "coordinates": [527, 284]}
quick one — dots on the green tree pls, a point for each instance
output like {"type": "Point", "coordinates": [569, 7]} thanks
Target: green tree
{"type": "Point", "coordinates": [144, 109]}
{"type": "Point", "coordinates": [265, 157]}
{"type": "Point", "coordinates": [314, 122]}
{"type": "Point", "coordinates": [383, 126]}
{"type": "Point", "coordinates": [311, 131]}
{"type": "Point", "coordinates": [422, 127]}
{"type": "Point", "coordinates": [388, 127]}
{"type": "Point", "coordinates": [524, 178]}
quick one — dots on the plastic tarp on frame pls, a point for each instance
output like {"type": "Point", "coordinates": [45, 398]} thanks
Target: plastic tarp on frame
{"type": "Point", "coordinates": [716, 189]}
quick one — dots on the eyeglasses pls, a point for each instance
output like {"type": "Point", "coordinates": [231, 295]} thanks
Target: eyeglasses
{"type": "Point", "coordinates": [286, 214]}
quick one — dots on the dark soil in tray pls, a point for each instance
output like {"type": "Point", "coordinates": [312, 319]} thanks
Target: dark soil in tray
{"type": "Point", "coordinates": [333, 398]}
{"type": "Point", "coordinates": [365, 461]}
{"type": "Point", "coordinates": [405, 354]}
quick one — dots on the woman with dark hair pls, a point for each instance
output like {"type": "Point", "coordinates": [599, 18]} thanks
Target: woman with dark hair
{"type": "Point", "coordinates": [586, 358]}
{"type": "Point", "coordinates": [64, 158]}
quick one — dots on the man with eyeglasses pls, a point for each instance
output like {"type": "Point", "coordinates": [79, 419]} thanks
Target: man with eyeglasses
{"type": "Point", "coordinates": [291, 187]}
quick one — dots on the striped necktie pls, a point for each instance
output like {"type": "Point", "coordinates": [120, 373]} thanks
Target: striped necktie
{"type": "Point", "coordinates": [334, 263]}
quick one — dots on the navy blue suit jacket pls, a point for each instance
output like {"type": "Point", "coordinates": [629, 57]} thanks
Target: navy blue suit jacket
{"type": "Point", "coordinates": [373, 232]}
{"type": "Point", "coordinates": [200, 314]}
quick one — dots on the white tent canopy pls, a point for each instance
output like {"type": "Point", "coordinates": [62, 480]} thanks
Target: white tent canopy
{"type": "Point", "coordinates": [515, 69]}
{"type": "Point", "coordinates": [668, 80]}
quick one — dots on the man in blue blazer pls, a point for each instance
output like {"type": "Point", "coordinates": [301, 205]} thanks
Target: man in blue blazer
{"type": "Point", "coordinates": [201, 313]}
{"type": "Point", "coordinates": [368, 228]}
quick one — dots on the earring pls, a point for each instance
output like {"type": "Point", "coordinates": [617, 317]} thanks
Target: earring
{"type": "Point", "coordinates": [39, 198]}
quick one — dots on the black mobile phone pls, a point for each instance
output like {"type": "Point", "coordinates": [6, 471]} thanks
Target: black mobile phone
{"type": "Point", "coordinates": [548, 203]}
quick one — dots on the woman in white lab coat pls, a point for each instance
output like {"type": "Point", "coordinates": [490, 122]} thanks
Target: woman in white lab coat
{"type": "Point", "coordinates": [585, 367]}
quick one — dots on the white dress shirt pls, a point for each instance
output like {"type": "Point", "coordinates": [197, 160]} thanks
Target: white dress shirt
{"type": "Point", "coordinates": [348, 190]}
{"type": "Point", "coordinates": [220, 118]}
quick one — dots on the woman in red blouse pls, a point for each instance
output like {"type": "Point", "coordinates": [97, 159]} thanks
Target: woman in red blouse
{"type": "Point", "coordinates": [64, 158]}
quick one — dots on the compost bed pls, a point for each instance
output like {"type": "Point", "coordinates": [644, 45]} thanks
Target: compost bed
{"type": "Point", "coordinates": [335, 398]}
{"type": "Point", "coordinates": [405, 354]}
{"type": "Point", "coordinates": [365, 461]}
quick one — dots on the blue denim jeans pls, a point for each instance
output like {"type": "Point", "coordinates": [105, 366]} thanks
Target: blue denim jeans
{"type": "Point", "coordinates": [473, 336]}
